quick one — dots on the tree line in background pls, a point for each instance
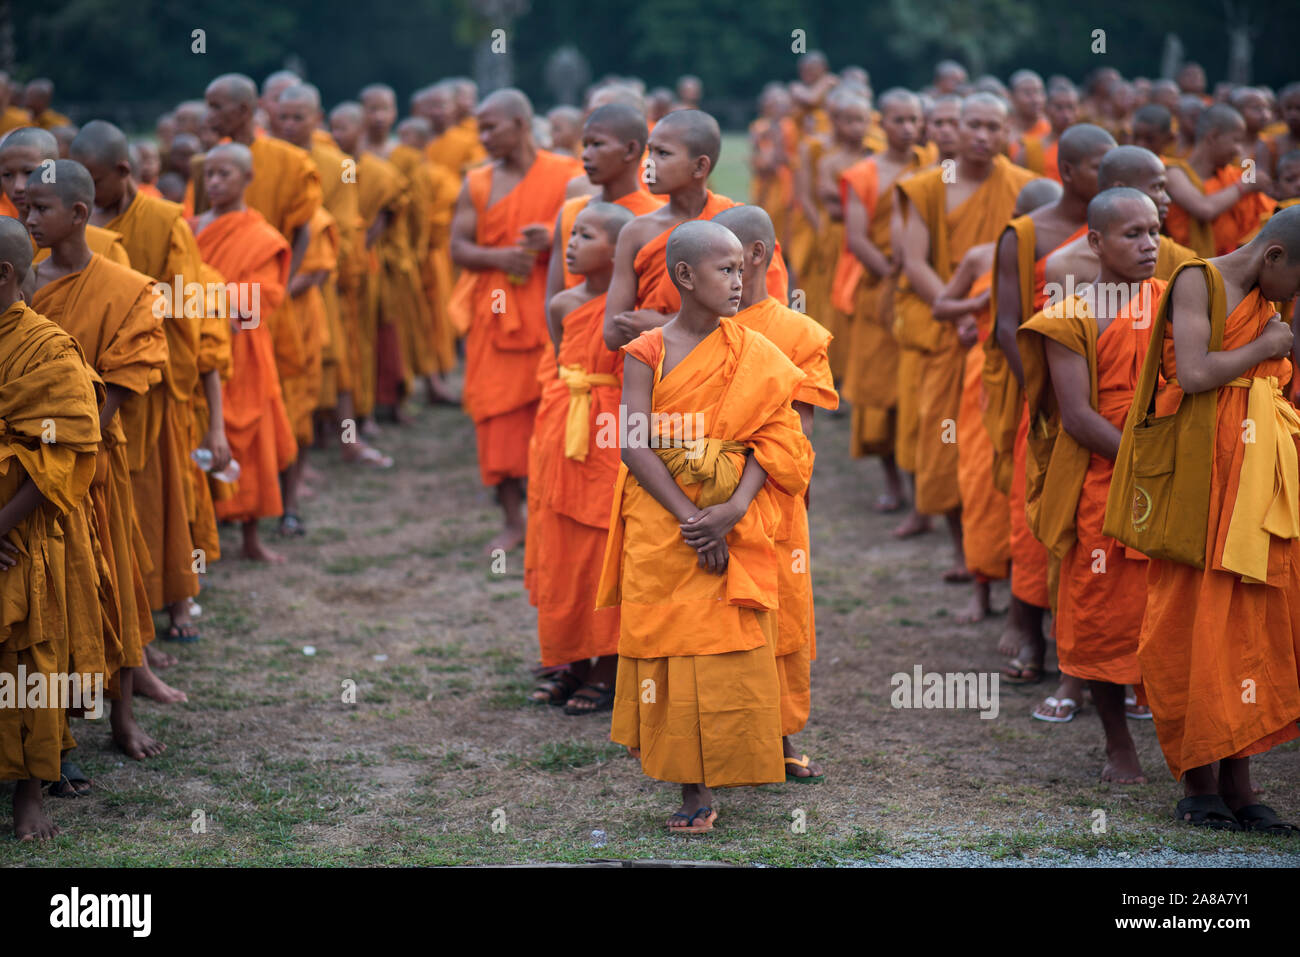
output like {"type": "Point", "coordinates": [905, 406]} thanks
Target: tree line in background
{"type": "Point", "coordinates": [100, 52]}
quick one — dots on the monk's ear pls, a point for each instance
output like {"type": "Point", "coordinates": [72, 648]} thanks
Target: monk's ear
{"type": "Point", "coordinates": [1094, 243]}
{"type": "Point", "coordinates": [757, 252]}
{"type": "Point", "coordinates": [123, 169]}
{"type": "Point", "coordinates": [684, 275]}
{"type": "Point", "coordinates": [703, 167]}
{"type": "Point", "coordinates": [80, 214]}
{"type": "Point", "coordinates": [632, 150]}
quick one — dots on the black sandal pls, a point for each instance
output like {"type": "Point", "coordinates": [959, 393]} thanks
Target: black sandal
{"type": "Point", "coordinates": [1207, 810]}
{"type": "Point", "coordinates": [557, 686]}
{"type": "Point", "coordinates": [1262, 818]}
{"type": "Point", "coordinates": [69, 777]}
{"type": "Point", "coordinates": [186, 634]}
{"type": "Point", "coordinates": [602, 700]}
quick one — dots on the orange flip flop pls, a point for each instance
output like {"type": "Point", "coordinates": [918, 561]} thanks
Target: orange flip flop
{"type": "Point", "coordinates": [711, 816]}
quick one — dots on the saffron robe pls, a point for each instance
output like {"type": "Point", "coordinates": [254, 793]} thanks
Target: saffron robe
{"type": "Point", "coordinates": [1232, 228]}
{"type": "Point", "coordinates": [1219, 656]}
{"type": "Point", "coordinates": [106, 242]}
{"type": "Point", "coordinates": [638, 201]}
{"type": "Point", "coordinates": [345, 294]}
{"type": "Point", "coordinates": [806, 343]}
{"type": "Point", "coordinates": [706, 642]}
{"type": "Point", "coordinates": [302, 390]}
{"type": "Point", "coordinates": [939, 356]}
{"type": "Point", "coordinates": [1101, 593]}
{"type": "Point", "coordinates": [505, 319]}
{"type": "Point", "coordinates": [108, 309]}
{"type": "Point", "coordinates": [213, 356]}
{"type": "Point", "coordinates": [51, 434]}
{"type": "Point", "coordinates": [247, 250]}
{"type": "Point", "coordinates": [457, 148]}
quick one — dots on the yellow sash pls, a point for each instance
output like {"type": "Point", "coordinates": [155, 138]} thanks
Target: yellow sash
{"type": "Point", "coordinates": [703, 463]}
{"type": "Point", "coordinates": [577, 423]}
{"type": "Point", "coordinates": [1268, 497]}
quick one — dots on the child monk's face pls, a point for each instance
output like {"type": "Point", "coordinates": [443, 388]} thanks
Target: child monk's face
{"type": "Point", "coordinates": [17, 166]}
{"type": "Point", "coordinates": [902, 124]}
{"type": "Point", "coordinates": [223, 181]}
{"type": "Point", "coordinates": [590, 249]}
{"type": "Point", "coordinates": [49, 220]}
{"type": "Point", "coordinates": [983, 131]}
{"type": "Point", "coordinates": [1151, 137]}
{"type": "Point", "coordinates": [1226, 145]}
{"type": "Point", "coordinates": [944, 126]}
{"type": "Point", "coordinates": [1288, 180]}
{"type": "Point", "coordinates": [410, 136]}
{"type": "Point", "coordinates": [564, 132]}
{"type": "Point", "coordinates": [1156, 185]}
{"type": "Point", "coordinates": [296, 120]}
{"type": "Point", "coordinates": [148, 162]}
{"type": "Point", "coordinates": [604, 156]}
{"type": "Point", "coordinates": [441, 110]}
{"type": "Point", "coordinates": [851, 121]}
{"type": "Point", "coordinates": [1129, 245]}
{"type": "Point", "coordinates": [718, 277]}
{"type": "Point", "coordinates": [1279, 278]}
{"type": "Point", "coordinates": [1062, 110]}
{"type": "Point", "coordinates": [346, 129]}
{"type": "Point", "coordinates": [671, 166]}
{"type": "Point", "coordinates": [210, 131]}
{"type": "Point", "coordinates": [381, 114]}
{"type": "Point", "coordinates": [1254, 110]}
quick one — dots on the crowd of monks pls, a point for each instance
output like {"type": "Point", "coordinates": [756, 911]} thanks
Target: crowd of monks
{"type": "Point", "coordinates": [987, 274]}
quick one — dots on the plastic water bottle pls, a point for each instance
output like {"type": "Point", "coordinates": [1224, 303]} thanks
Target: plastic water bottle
{"type": "Point", "coordinates": [203, 459]}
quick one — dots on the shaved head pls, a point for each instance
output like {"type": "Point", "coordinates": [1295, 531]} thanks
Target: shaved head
{"type": "Point", "coordinates": [348, 110]}
{"type": "Point", "coordinates": [1282, 229]}
{"type": "Point", "coordinates": [1126, 165]}
{"type": "Point", "coordinates": [624, 122]}
{"type": "Point", "coordinates": [1154, 115]}
{"type": "Point", "coordinates": [1219, 118]}
{"type": "Point", "coordinates": [616, 93]}
{"type": "Point", "coordinates": [1037, 193]}
{"type": "Point", "coordinates": [32, 138]}
{"type": "Point", "coordinates": [697, 130]}
{"type": "Point", "coordinates": [511, 103]}
{"type": "Point", "coordinates": [301, 93]}
{"type": "Point", "coordinates": [378, 89]}
{"type": "Point", "coordinates": [1025, 76]}
{"type": "Point", "coordinates": [236, 153]}
{"type": "Point", "coordinates": [751, 224]}
{"type": "Point", "coordinates": [611, 217]}
{"type": "Point", "coordinates": [236, 87]}
{"type": "Point", "coordinates": [279, 79]}
{"type": "Point", "coordinates": [1083, 141]}
{"type": "Point", "coordinates": [15, 246]}
{"type": "Point", "coordinates": [897, 96]}
{"type": "Point", "coordinates": [71, 183]}
{"type": "Point", "coordinates": [694, 239]}
{"type": "Point", "coordinates": [988, 100]}
{"type": "Point", "coordinates": [1111, 206]}
{"type": "Point", "coordinates": [100, 144]}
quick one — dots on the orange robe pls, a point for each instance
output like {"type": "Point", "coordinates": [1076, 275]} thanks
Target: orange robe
{"type": "Point", "coordinates": [871, 371]}
{"type": "Point", "coordinates": [106, 242]}
{"type": "Point", "coordinates": [108, 309]}
{"type": "Point", "coordinates": [574, 475]}
{"type": "Point", "coordinates": [1101, 589]}
{"type": "Point", "coordinates": [805, 343]}
{"type": "Point", "coordinates": [12, 118]}
{"type": "Point", "coordinates": [985, 510]}
{"type": "Point", "coordinates": [654, 287]}
{"type": "Point", "coordinates": [46, 392]}
{"type": "Point", "coordinates": [457, 148]}
{"type": "Point", "coordinates": [7, 207]}
{"type": "Point", "coordinates": [705, 643]}
{"type": "Point", "coordinates": [939, 357]}
{"type": "Point", "coordinates": [1219, 656]}
{"type": "Point", "coordinates": [638, 201]}
{"type": "Point", "coordinates": [505, 319]}
{"type": "Point", "coordinates": [803, 242]}
{"type": "Point", "coordinates": [51, 119]}
{"type": "Point", "coordinates": [302, 393]}
{"type": "Point", "coordinates": [159, 426]}
{"type": "Point", "coordinates": [1232, 228]}
{"type": "Point", "coordinates": [1036, 154]}
{"type": "Point", "coordinates": [213, 356]}
{"type": "Point", "coordinates": [1008, 421]}
{"type": "Point", "coordinates": [775, 191]}
{"type": "Point", "coordinates": [345, 294]}
{"type": "Point", "coordinates": [246, 250]}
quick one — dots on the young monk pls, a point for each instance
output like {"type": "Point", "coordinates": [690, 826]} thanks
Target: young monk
{"type": "Point", "coordinates": [565, 125]}
{"type": "Point", "coordinates": [1153, 128]}
{"type": "Point", "coordinates": [1219, 644]}
{"type": "Point", "coordinates": [942, 129]}
{"type": "Point", "coordinates": [691, 561]}
{"type": "Point", "coordinates": [108, 309]}
{"type": "Point", "coordinates": [862, 289]}
{"type": "Point", "coordinates": [501, 237]}
{"type": "Point", "coordinates": [1215, 208]}
{"type": "Point", "coordinates": [940, 221]}
{"type": "Point", "coordinates": [804, 342]}
{"type": "Point", "coordinates": [684, 149]}
{"type": "Point", "coordinates": [254, 259]}
{"type": "Point", "coordinates": [40, 94]}
{"type": "Point", "coordinates": [985, 513]}
{"type": "Point", "coordinates": [1039, 153]}
{"type": "Point", "coordinates": [1287, 138]}
{"type": "Point", "coordinates": [1019, 285]}
{"type": "Point", "coordinates": [146, 164]}
{"type": "Point", "coordinates": [1082, 357]}
{"type": "Point", "coordinates": [774, 144]}
{"type": "Point", "coordinates": [574, 474]}
{"type": "Point", "coordinates": [160, 427]}
{"type": "Point", "coordinates": [1028, 101]}
{"type": "Point", "coordinates": [46, 391]}
{"type": "Point", "coordinates": [455, 144]}
{"type": "Point", "coordinates": [12, 115]}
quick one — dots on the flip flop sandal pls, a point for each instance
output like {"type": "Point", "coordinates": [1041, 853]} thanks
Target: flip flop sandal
{"type": "Point", "coordinates": [1071, 706]}
{"type": "Point", "coordinates": [374, 458]}
{"type": "Point", "coordinates": [1138, 712]}
{"type": "Point", "coordinates": [603, 700]}
{"type": "Point", "coordinates": [559, 687]}
{"type": "Point", "coordinates": [1207, 810]}
{"type": "Point", "coordinates": [69, 777]}
{"type": "Point", "coordinates": [183, 634]}
{"type": "Point", "coordinates": [710, 816]}
{"type": "Point", "coordinates": [802, 762]}
{"type": "Point", "coordinates": [1263, 819]}
{"type": "Point", "coordinates": [1016, 672]}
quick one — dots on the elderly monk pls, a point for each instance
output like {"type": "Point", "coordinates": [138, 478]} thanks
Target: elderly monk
{"type": "Point", "coordinates": [501, 239]}
{"type": "Point", "coordinates": [1215, 208]}
{"type": "Point", "coordinates": [940, 221]}
{"type": "Point", "coordinates": [1219, 644]}
{"type": "Point", "coordinates": [47, 462]}
{"type": "Point", "coordinates": [691, 559]}
{"type": "Point", "coordinates": [159, 426]}
{"type": "Point", "coordinates": [683, 151]}
{"type": "Point", "coordinates": [804, 342]}
{"type": "Point", "coordinates": [1082, 356]}
{"type": "Point", "coordinates": [985, 512]}
{"type": "Point", "coordinates": [1019, 290]}
{"type": "Point", "coordinates": [108, 309]}
{"type": "Point", "coordinates": [863, 283]}
{"type": "Point", "coordinates": [253, 257]}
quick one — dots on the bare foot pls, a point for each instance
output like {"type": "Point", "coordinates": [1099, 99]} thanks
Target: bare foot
{"type": "Point", "coordinates": [977, 609]}
{"type": "Point", "coordinates": [31, 823]}
{"type": "Point", "coordinates": [157, 658]}
{"type": "Point", "coordinates": [260, 553]}
{"type": "Point", "coordinates": [508, 539]}
{"type": "Point", "coordinates": [134, 743]}
{"type": "Point", "coordinates": [959, 574]}
{"type": "Point", "coordinates": [358, 453]}
{"type": "Point", "coordinates": [1123, 767]}
{"type": "Point", "coordinates": [1010, 641]}
{"type": "Point", "coordinates": [149, 685]}
{"type": "Point", "coordinates": [793, 766]}
{"type": "Point", "coordinates": [914, 524]}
